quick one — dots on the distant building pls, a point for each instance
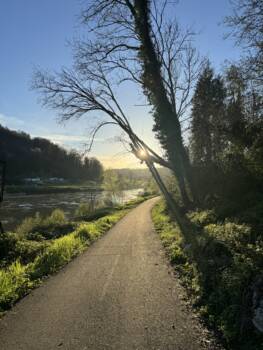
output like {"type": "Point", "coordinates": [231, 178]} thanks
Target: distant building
{"type": "Point", "coordinates": [33, 180]}
{"type": "Point", "coordinates": [55, 179]}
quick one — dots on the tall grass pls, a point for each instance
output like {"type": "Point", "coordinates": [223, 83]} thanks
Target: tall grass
{"type": "Point", "coordinates": [14, 281]}
{"type": "Point", "coordinates": [57, 255]}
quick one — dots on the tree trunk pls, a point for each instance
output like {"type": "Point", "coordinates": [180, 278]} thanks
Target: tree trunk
{"type": "Point", "coordinates": [167, 125]}
{"type": "Point", "coordinates": [173, 206]}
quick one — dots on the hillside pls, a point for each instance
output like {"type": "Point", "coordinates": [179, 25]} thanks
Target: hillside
{"type": "Point", "coordinates": [28, 157]}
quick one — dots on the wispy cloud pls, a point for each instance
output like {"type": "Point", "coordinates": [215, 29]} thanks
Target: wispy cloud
{"type": "Point", "coordinates": [67, 139]}
{"type": "Point", "coordinates": [64, 139]}
{"type": "Point", "coordinates": [11, 122]}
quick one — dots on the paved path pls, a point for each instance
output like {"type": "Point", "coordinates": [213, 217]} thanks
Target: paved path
{"type": "Point", "coordinates": [120, 294]}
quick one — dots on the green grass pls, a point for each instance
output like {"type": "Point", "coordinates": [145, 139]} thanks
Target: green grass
{"type": "Point", "coordinates": [45, 257]}
{"type": "Point", "coordinates": [217, 263]}
{"type": "Point", "coordinates": [14, 282]}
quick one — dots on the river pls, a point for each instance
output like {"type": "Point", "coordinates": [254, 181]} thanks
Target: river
{"type": "Point", "coordinates": [19, 206]}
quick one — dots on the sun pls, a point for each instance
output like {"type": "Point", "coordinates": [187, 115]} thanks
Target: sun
{"type": "Point", "coordinates": [142, 153]}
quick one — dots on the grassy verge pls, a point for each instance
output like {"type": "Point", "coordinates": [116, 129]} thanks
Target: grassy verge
{"type": "Point", "coordinates": [41, 246]}
{"type": "Point", "coordinates": [218, 266]}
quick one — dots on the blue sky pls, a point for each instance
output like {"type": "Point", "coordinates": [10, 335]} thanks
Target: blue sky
{"type": "Point", "coordinates": [35, 33]}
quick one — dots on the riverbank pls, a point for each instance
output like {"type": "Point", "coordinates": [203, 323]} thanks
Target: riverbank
{"type": "Point", "coordinates": [42, 245]}
{"type": "Point", "coordinates": [50, 189]}
{"type": "Point", "coordinates": [17, 207]}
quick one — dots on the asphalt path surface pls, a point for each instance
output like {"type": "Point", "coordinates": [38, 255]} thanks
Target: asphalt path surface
{"type": "Point", "coordinates": [119, 294]}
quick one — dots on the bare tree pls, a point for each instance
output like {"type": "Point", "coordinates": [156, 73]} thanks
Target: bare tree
{"type": "Point", "coordinates": [246, 25]}
{"type": "Point", "coordinates": [115, 54]}
{"type": "Point", "coordinates": [136, 39]}
{"type": "Point", "coordinates": [75, 95]}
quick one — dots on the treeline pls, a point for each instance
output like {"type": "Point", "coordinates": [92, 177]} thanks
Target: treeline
{"type": "Point", "coordinates": [125, 179]}
{"type": "Point", "coordinates": [118, 180]}
{"type": "Point", "coordinates": [226, 143]}
{"type": "Point", "coordinates": [38, 157]}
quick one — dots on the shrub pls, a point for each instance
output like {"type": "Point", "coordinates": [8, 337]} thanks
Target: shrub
{"type": "Point", "coordinates": [38, 228]}
{"type": "Point", "coordinates": [27, 251]}
{"type": "Point", "coordinates": [8, 241]}
{"type": "Point", "coordinates": [28, 225]}
{"type": "Point", "coordinates": [236, 235]}
{"type": "Point", "coordinates": [57, 217]}
{"type": "Point", "coordinates": [203, 217]}
{"type": "Point", "coordinates": [98, 214]}
{"type": "Point", "coordinates": [108, 201]}
{"type": "Point", "coordinates": [83, 210]}
{"type": "Point", "coordinates": [177, 255]}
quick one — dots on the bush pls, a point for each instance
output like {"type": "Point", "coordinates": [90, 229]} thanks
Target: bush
{"type": "Point", "coordinates": [108, 201]}
{"type": "Point", "coordinates": [236, 236]}
{"type": "Point", "coordinates": [83, 210]}
{"type": "Point", "coordinates": [97, 214]}
{"type": "Point", "coordinates": [51, 232]}
{"type": "Point", "coordinates": [203, 217]}
{"type": "Point", "coordinates": [57, 217]}
{"type": "Point", "coordinates": [27, 251]}
{"type": "Point", "coordinates": [28, 225]}
{"type": "Point", "coordinates": [8, 241]}
{"type": "Point", "coordinates": [38, 228]}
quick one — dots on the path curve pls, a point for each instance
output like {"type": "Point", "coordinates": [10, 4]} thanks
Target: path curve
{"type": "Point", "coordinates": [120, 294]}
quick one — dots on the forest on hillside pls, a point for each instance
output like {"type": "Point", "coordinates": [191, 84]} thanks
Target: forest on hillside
{"type": "Point", "coordinates": [28, 157]}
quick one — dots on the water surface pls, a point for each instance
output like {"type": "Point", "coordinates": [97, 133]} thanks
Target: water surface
{"type": "Point", "coordinates": [16, 207]}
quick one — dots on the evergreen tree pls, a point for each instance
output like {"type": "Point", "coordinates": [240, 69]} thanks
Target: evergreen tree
{"type": "Point", "coordinates": [208, 118]}
{"type": "Point", "coordinates": [235, 111]}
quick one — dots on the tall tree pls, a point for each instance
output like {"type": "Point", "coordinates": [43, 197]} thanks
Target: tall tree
{"type": "Point", "coordinates": [235, 106]}
{"type": "Point", "coordinates": [208, 118]}
{"type": "Point", "coordinates": [136, 38]}
{"type": "Point", "coordinates": [125, 43]}
{"type": "Point", "coordinates": [167, 126]}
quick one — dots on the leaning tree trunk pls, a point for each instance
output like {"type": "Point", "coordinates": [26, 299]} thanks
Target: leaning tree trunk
{"type": "Point", "coordinates": [173, 206]}
{"type": "Point", "coordinates": [167, 125]}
